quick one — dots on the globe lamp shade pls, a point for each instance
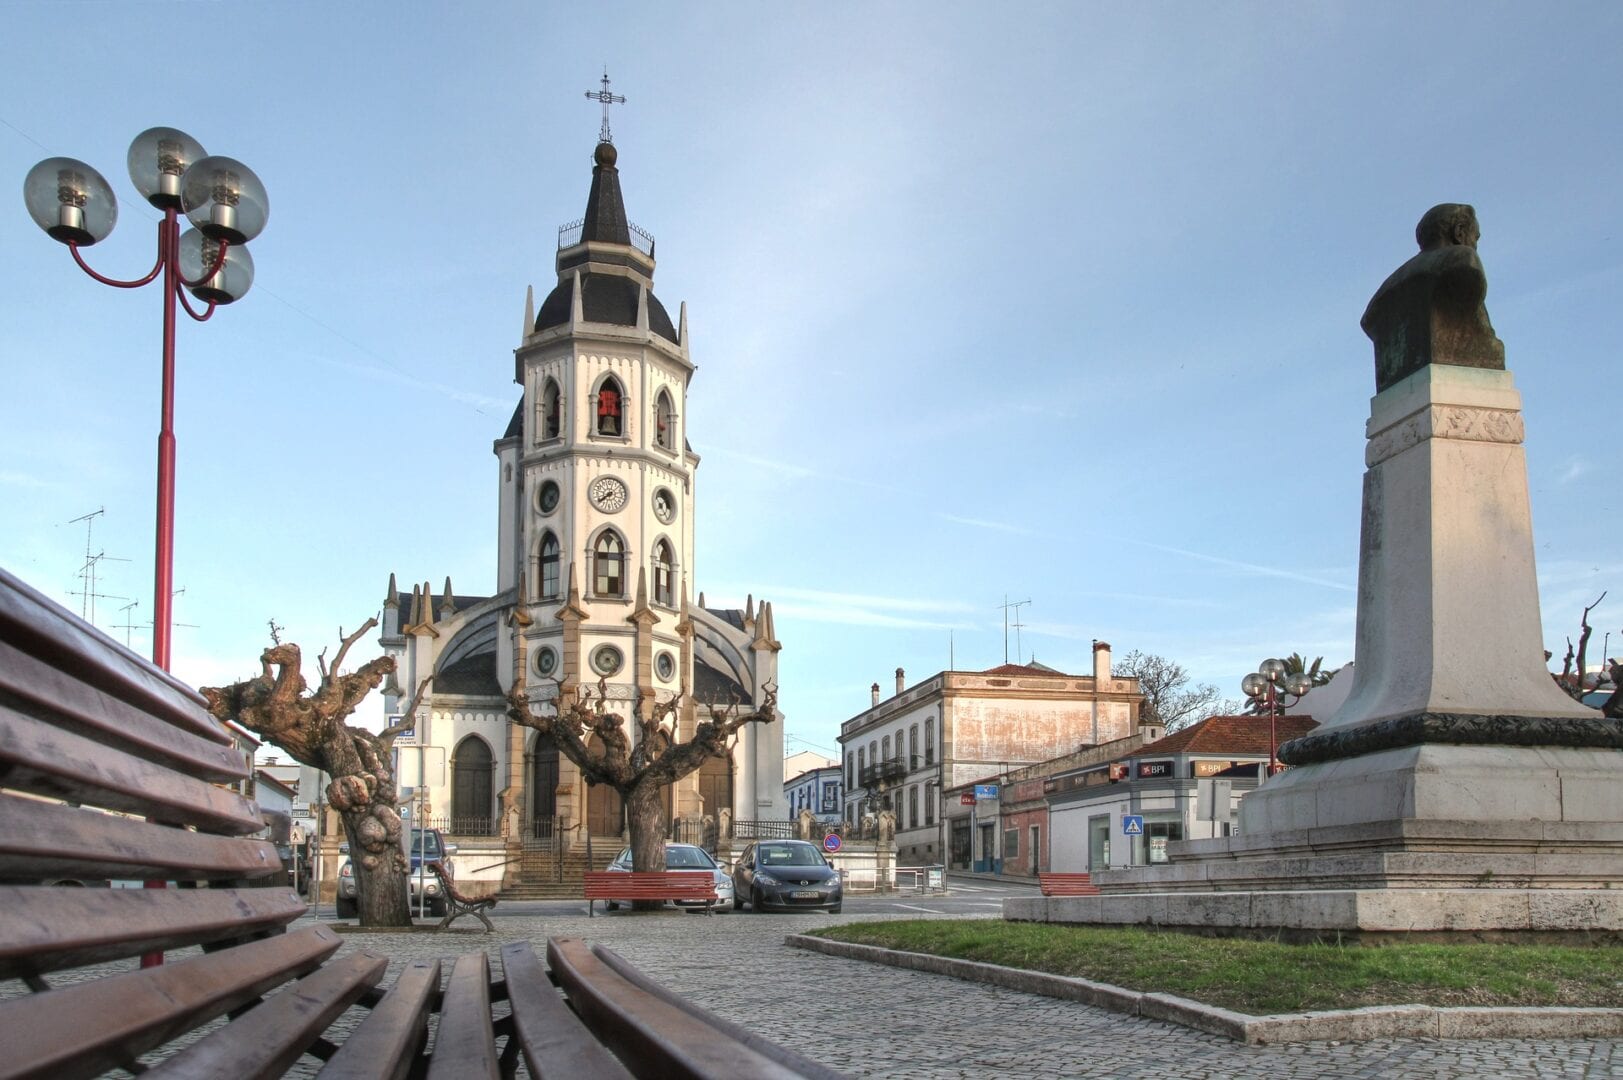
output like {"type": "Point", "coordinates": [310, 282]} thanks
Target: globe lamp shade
{"type": "Point", "coordinates": [1272, 670]}
{"type": "Point", "coordinates": [1253, 685]}
{"type": "Point", "coordinates": [200, 253]}
{"type": "Point", "coordinates": [158, 158]}
{"type": "Point", "coordinates": [1299, 684]}
{"type": "Point", "coordinates": [224, 198]}
{"type": "Point", "coordinates": [70, 200]}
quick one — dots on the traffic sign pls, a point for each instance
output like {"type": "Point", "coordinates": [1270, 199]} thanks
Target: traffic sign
{"type": "Point", "coordinates": [1132, 824]}
{"type": "Point", "coordinates": [831, 843]}
{"type": "Point", "coordinates": [985, 791]}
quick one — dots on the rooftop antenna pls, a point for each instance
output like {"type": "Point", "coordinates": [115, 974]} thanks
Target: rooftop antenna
{"type": "Point", "coordinates": [1019, 651]}
{"type": "Point", "coordinates": [607, 99]}
{"type": "Point", "coordinates": [129, 621]}
{"type": "Point", "coordinates": [1006, 605]}
{"type": "Point", "coordinates": [87, 571]}
{"type": "Point", "coordinates": [191, 625]}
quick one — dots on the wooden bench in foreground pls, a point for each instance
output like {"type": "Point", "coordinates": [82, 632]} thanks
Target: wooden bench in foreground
{"type": "Point", "coordinates": [114, 770]}
{"type": "Point", "coordinates": [1066, 884]}
{"type": "Point", "coordinates": [613, 885]}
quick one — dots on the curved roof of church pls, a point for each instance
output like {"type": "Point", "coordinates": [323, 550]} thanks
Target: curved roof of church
{"type": "Point", "coordinates": [473, 676]}
{"type": "Point", "coordinates": [604, 298]}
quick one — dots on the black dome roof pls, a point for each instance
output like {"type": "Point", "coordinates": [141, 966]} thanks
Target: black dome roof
{"type": "Point", "coordinates": [605, 298]}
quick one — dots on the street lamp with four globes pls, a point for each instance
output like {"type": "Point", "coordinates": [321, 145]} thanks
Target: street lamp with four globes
{"type": "Point", "coordinates": [1265, 687]}
{"type": "Point", "coordinates": [227, 206]}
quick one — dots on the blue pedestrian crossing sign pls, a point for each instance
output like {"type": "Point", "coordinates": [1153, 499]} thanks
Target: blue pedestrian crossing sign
{"type": "Point", "coordinates": [1132, 824]}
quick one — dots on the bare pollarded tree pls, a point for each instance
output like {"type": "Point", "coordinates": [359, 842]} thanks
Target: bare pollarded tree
{"type": "Point", "coordinates": [311, 726]}
{"type": "Point", "coordinates": [595, 737]}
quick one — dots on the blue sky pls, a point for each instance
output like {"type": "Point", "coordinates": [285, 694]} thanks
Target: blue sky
{"type": "Point", "coordinates": [1059, 305]}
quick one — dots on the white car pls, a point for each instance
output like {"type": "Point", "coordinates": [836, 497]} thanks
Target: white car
{"type": "Point", "coordinates": [684, 857]}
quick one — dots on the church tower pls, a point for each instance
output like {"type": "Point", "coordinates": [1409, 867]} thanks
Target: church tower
{"type": "Point", "coordinates": [595, 547]}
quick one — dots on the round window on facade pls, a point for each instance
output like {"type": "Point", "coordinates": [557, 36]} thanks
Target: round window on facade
{"type": "Point", "coordinates": [547, 498]}
{"type": "Point", "coordinates": [606, 659]}
{"type": "Point", "coordinates": [665, 666]}
{"type": "Point", "coordinates": [546, 661]}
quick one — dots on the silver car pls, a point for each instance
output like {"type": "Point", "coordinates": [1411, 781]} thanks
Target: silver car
{"type": "Point", "coordinates": [683, 857]}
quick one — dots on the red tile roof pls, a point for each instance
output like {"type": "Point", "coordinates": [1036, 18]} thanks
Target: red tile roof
{"type": "Point", "coordinates": [1026, 669]}
{"type": "Point", "coordinates": [1230, 735]}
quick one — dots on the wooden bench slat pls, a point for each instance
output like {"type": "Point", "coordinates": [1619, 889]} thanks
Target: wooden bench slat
{"type": "Point", "coordinates": [46, 1034]}
{"type": "Point", "coordinates": [61, 699]}
{"type": "Point", "coordinates": [45, 629]}
{"type": "Point", "coordinates": [40, 841]}
{"type": "Point", "coordinates": [652, 1036]}
{"type": "Point", "coordinates": [60, 764]}
{"type": "Point", "coordinates": [555, 1043]}
{"type": "Point", "coordinates": [52, 928]}
{"type": "Point", "coordinates": [802, 1066]}
{"type": "Point", "coordinates": [387, 1043]}
{"type": "Point", "coordinates": [1066, 884]}
{"type": "Point", "coordinates": [261, 1043]}
{"type": "Point", "coordinates": [648, 885]}
{"type": "Point", "coordinates": [464, 1043]}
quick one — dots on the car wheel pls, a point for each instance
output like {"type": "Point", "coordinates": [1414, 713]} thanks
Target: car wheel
{"type": "Point", "coordinates": [835, 910]}
{"type": "Point", "coordinates": [755, 903]}
{"type": "Point", "coordinates": [437, 908]}
{"type": "Point", "coordinates": [611, 905]}
{"type": "Point", "coordinates": [346, 908]}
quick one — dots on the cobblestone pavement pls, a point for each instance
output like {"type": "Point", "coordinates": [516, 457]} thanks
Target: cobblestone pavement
{"type": "Point", "coordinates": [868, 1020]}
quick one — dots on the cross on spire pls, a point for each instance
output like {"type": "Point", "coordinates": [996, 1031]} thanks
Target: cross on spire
{"type": "Point", "coordinates": [607, 99]}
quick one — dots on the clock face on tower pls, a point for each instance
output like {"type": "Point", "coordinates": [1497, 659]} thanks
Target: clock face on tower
{"type": "Point", "coordinates": [608, 494]}
{"type": "Point", "coordinates": [664, 506]}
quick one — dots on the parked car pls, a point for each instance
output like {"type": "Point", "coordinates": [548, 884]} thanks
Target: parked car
{"type": "Point", "coordinates": [788, 874]}
{"type": "Point", "coordinates": [426, 844]}
{"type": "Point", "coordinates": [684, 857]}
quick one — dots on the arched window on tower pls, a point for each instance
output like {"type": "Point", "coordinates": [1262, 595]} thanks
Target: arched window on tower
{"type": "Point", "coordinates": [664, 572]}
{"type": "Point", "coordinates": [664, 421]}
{"type": "Point", "coordinates": [609, 565]}
{"type": "Point", "coordinates": [609, 401]}
{"type": "Point", "coordinates": [551, 410]}
{"type": "Point", "coordinates": [549, 567]}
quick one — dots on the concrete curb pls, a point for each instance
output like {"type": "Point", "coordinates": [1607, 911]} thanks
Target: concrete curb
{"type": "Point", "coordinates": [1342, 1025]}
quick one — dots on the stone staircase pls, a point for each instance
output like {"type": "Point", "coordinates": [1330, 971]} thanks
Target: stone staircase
{"type": "Point", "coordinates": [540, 879]}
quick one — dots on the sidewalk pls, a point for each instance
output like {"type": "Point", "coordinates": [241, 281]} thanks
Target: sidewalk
{"type": "Point", "coordinates": [872, 1021]}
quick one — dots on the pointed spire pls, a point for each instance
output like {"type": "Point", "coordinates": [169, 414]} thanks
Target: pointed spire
{"type": "Point", "coordinates": [416, 615]}
{"type": "Point", "coordinates": [448, 604]}
{"type": "Point", "coordinates": [682, 328]}
{"type": "Point", "coordinates": [605, 210]}
{"type": "Point", "coordinates": [577, 308]}
{"type": "Point", "coordinates": [428, 605]}
{"type": "Point", "coordinates": [749, 614]}
{"type": "Point", "coordinates": [391, 599]}
{"type": "Point", "coordinates": [701, 598]}
{"type": "Point", "coordinates": [529, 312]}
{"type": "Point", "coordinates": [642, 586]}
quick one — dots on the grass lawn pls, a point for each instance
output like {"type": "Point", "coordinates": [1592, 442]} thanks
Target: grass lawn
{"type": "Point", "coordinates": [1261, 977]}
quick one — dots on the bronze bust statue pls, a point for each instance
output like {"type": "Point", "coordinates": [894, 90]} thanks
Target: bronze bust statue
{"type": "Point", "coordinates": [1430, 310]}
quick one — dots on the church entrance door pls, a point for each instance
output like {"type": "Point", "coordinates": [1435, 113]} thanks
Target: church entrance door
{"type": "Point", "coordinates": [543, 787]}
{"type": "Point", "coordinates": [605, 814]}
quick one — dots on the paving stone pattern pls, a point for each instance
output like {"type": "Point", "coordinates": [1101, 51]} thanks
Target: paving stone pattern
{"type": "Point", "coordinates": [870, 1020]}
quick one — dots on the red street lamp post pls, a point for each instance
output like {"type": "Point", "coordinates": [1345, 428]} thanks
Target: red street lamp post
{"type": "Point", "coordinates": [227, 205]}
{"type": "Point", "coordinates": [1265, 687]}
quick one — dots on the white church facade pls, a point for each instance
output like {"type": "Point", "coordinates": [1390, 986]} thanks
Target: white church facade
{"type": "Point", "coordinates": [596, 490]}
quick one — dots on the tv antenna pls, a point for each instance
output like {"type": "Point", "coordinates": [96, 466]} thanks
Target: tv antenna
{"type": "Point", "coordinates": [87, 593]}
{"type": "Point", "coordinates": [1016, 605]}
{"type": "Point", "coordinates": [189, 625]}
{"type": "Point", "coordinates": [129, 621]}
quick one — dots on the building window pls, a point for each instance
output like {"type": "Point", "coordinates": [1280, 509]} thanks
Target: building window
{"type": "Point", "coordinates": [1011, 843]}
{"type": "Point", "coordinates": [549, 566]}
{"type": "Point", "coordinates": [929, 742]}
{"type": "Point", "coordinates": [885, 756]}
{"type": "Point", "coordinates": [610, 400]}
{"type": "Point", "coordinates": [873, 751]}
{"type": "Point", "coordinates": [663, 593]}
{"type": "Point", "coordinates": [862, 763]}
{"type": "Point", "coordinates": [913, 747]}
{"type": "Point", "coordinates": [609, 565]}
{"type": "Point", "coordinates": [664, 421]}
{"type": "Point", "coordinates": [929, 804]}
{"type": "Point", "coordinates": [551, 410]}
{"type": "Point", "coordinates": [913, 806]}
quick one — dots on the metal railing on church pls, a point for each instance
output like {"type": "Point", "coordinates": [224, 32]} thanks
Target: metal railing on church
{"type": "Point", "coordinates": [763, 830]}
{"type": "Point", "coordinates": [463, 826]}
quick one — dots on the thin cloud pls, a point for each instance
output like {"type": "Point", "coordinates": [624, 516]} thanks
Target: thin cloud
{"type": "Point", "coordinates": [1251, 568]}
{"type": "Point", "coordinates": [863, 609]}
{"type": "Point", "coordinates": [826, 597]}
{"type": "Point", "coordinates": [795, 471]}
{"type": "Point", "coordinates": [1575, 467]}
{"type": "Point", "coordinates": [23, 480]}
{"type": "Point", "coordinates": [980, 523]}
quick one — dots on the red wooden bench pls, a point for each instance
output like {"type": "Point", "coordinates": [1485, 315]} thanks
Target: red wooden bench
{"type": "Point", "coordinates": [1066, 884]}
{"type": "Point", "coordinates": [613, 885]}
{"type": "Point", "coordinates": [102, 757]}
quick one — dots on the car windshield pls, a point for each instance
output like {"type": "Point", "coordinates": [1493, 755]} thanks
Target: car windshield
{"type": "Point", "coordinates": [427, 844]}
{"type": "Point", "coordinates": [789, 855]}
{"type": "Point", "coordinates": [687, 858]}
